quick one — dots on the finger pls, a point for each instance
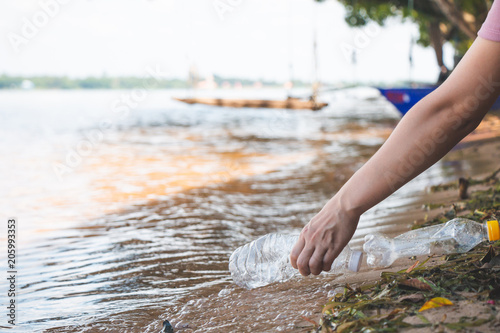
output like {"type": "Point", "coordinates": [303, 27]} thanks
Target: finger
{"type": "Point", "coordinates": [296, 250]}
{"type": "Point", "coordinates": [316, 261]}
{"type": "Point", "coordinates": [328, 259]}
{"type": "Point", "coordinates": [303, 260]}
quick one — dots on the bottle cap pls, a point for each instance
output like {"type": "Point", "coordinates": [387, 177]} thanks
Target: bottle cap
{"type": "Point", "coordinates": [493, 230]}
{"type": "Point", "coordinates": [355, 262]}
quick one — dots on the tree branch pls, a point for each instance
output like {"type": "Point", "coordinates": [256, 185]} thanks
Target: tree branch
{"type": "Point", "coordinates": [450, 10]}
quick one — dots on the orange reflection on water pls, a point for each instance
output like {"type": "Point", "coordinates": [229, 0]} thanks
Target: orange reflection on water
{"type": "Point", "coordinates": [137, 175]}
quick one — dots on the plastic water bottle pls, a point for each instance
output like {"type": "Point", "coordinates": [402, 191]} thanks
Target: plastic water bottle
{"type": "Point", "coordinates": [267, 260]}
{"type": "Point", "coordinates": [456, 236]}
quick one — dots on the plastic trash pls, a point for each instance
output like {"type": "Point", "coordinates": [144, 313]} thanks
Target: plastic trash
{"type": "Point", "coordinates": [456, 236]}
{"type": "Point", "coordinates": [267, 259]}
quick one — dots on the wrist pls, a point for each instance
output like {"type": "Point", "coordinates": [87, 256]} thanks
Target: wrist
{"type": "Point", "coordinates": [344, 207]}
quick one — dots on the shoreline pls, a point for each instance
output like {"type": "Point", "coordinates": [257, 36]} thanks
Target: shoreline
{"type": "Point", "coordinates": [483, 141]}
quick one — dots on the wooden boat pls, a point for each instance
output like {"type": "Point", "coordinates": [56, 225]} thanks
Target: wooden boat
{"type": "Point", "coordinates": [405, 98]}
{"type": "Point", "coordinates": [289, 103]}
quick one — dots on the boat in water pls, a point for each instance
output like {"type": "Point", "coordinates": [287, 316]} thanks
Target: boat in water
{"type": "Point", "coordinates": [405, 98]}
{"type": "Point", "coordinates": [289, 103]}
{"type": "Point", "coordinates": [307, 103]}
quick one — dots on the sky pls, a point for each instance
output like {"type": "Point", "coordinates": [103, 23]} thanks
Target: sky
{"type": "Point", "coordinates": [256, 39]}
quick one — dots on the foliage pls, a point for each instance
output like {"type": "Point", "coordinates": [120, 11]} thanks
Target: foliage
{"type": "Point", "coordinates": [458, 25]}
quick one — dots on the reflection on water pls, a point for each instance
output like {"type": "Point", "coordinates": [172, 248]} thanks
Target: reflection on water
{"type": "Point", "coordinates": [142, 228]}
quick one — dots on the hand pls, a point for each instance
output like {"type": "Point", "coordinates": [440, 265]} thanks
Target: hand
{"type": "Point", "coordinates": [322, 239]}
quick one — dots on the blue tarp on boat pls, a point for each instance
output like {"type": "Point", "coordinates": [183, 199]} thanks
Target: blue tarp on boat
{"type": "Point", "coordinates": [405, 98]}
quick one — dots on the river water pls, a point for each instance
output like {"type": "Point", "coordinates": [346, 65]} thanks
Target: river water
{"type": "Point", "coordinates": [129, 211]}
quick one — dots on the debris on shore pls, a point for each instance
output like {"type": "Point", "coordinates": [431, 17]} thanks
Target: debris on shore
{"type": "Point", "coordinates": [457, 292]}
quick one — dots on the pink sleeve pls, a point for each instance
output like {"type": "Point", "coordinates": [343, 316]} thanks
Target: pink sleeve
{"type": "Point", "coordinates": [491, 27]}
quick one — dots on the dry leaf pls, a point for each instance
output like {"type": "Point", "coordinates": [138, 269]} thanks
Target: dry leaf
{"type": "Point", "coordinates": [415, 283]}
{"type": "Point", "coordinates": [412, 298]}
{"type": "Point", "coordinates": [394, 313]}
{"type": "Point", "coordinates": [436, 302]}
{"type": "Point", "coordinates": [489, 255]}
{"type": "Point", "coordinates": [495, 261]}
{"type": "Point", "coordinates": [412, 267]}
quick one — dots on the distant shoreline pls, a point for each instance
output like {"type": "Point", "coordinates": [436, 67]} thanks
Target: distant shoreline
{"type": "Point", "coordinates": [9, 82]}
{"type": "Point", "coordinates": [129, 82]}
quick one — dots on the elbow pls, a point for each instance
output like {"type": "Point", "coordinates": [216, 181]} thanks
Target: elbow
{"type": "Point", "coordinates": [470, 124]}
{"type": "Point", "coordinates": [461, 116]}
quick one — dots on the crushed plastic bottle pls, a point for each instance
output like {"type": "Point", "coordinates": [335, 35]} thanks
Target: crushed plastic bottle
{"type": "Point", "coordinates": [456, 236]}
{"type": "Point", "coordinates": [267, 260]}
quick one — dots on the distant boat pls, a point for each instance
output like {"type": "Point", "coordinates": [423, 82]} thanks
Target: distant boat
{"type": "Point", "coordinates": [293, 103]}
{"type": "Point", "coordinates": [405, 98]}
{"type": "Point", "coordinates": [289, 103]}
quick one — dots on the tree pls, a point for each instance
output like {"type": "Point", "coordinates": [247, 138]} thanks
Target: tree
{"type": "Point", "coordinates": [439, 21]}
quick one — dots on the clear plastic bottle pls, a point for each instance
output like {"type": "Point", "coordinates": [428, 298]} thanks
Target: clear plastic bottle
{"type": "Point", "coordinates": [267, 259]}
{"type": "Point", "coordinates": [456, 236]}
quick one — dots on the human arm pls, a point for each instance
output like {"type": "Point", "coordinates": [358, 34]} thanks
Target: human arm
{"type": "Point", "coordinates": [424, 135]}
